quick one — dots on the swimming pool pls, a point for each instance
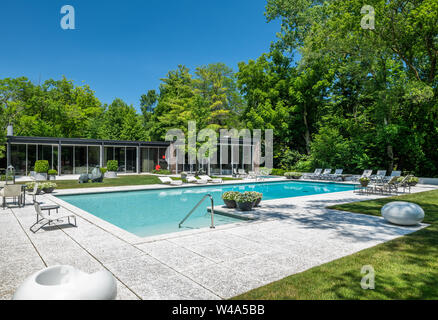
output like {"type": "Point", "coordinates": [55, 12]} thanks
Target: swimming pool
{"type": "Point", "coordinates": [153, 212]}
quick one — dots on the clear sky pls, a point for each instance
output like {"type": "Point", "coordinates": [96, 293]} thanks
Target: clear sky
{"type": "Point", "coordinates": [123, 48]}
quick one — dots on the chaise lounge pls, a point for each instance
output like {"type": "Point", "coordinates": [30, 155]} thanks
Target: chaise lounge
{"type": "Point", "coordinates": [168, 180]}
{"type": "Point", "coordinates": [209, 179]}
{"type": "Point", "coordinates": [192, 179]}
{"type": "Point", "coordinates": [316, 174]}
{"type": "Point", "coordinates": [337, 175]}
{"type": "Point", "coordinates": [47, 218]}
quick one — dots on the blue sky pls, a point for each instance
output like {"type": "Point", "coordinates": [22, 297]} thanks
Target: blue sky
{"type": "Point", "coordinates": [123, 48]}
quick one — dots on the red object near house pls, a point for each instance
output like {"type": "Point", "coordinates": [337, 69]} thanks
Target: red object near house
{"type": "Point", "coordinates": [157, 167]}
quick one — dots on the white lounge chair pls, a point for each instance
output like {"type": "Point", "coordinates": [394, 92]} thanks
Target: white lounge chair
{"type": "Point", "coordinates": [365, 174]}
{"type": "Point", "coordinates": [393, 174]}
{"type": "Point", "coordinates": [168, 180]}
{"type": "Point", "coordinates": [47, 218]}
{"type": "Point", "coordinates": [252, 175]}
{"type": "Point", "coordinates": [192, 179]}
{"type": "Point", "coordinates": [337, 175]}
{"type": "Point", "coordinates": [315, 174]}
{"type": "Point", "coordinates": [326, 174]}
{"type": "Point", "coordinates": [242, 173]}
{"type": "Point", "coordinates": [209, 179]}
{"type": "Point", "coordinates": [379, 177]}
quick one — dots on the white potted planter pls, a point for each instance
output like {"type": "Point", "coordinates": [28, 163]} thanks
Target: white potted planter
{"type": "Point", "coordinates": [111, 174]}
{"type": "Point", "coordinates": [40, 176]}
{"type": "Point", "coordinates": [41, 168]}
{"type": "Point", "coordinates": [112, 166]}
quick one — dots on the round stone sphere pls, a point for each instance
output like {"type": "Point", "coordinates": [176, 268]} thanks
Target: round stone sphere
{"type": "Point", "coordinates": [403, 213]}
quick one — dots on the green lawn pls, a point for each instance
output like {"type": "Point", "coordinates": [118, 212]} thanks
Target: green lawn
{"type": "Point", "coordinates": [406, 268]}
{"type": "Point", "coordinates": [121, 180]}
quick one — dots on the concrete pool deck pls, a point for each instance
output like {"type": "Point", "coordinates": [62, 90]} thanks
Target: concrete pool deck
{"type": "Point", "coordinates": [289, 236]}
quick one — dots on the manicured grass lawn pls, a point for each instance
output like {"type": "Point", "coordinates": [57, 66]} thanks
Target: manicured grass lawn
{"type": "Point", "coordinates": [121, 180]}
{"type": "Point", "coordinates": [406, 268]}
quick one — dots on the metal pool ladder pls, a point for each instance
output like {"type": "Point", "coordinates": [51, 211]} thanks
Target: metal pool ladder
{"type": "Point", "coordinates": [197, 205]}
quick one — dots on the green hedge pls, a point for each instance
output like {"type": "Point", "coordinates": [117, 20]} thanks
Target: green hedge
{"type": "Point", "coordinates": [161, 171]}
{"type": "Point", "coordinates": [278, 172]}
{"type": "Point", "coordinates": [41, 166]}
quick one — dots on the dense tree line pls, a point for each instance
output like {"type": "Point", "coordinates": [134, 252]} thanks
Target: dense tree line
{"type": "Point", "coordinates": [335, 94]}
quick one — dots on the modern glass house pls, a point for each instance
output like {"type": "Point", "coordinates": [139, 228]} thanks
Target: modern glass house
{"type": "Point", "coordinates": [77, 156]}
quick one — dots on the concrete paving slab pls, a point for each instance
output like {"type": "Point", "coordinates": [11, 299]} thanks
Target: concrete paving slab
{"type": "Point", "coordinates": [291, 235]}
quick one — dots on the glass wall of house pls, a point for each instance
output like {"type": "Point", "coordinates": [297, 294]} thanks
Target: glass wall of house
{"type": "Point", "coordinates": [131, 159]}
{"type": "Point", "coordinates": [18, 158]}
{"type": "Point", "coordinates": [108, 154]}
{"type": "Point", "coordinates": [215, 163]}
{"type": "Point", "coordinates": [247, 158]}
{"type": "Point", "coordinates": [225, 151]}
{"type": "Point", "coordinates": [187, 167]}
{"type": "Point", "coordinates": [125, 156]}
{"type": "Point", "coordinates": [80, 160]}
{"type": "Point", "coordinates": [24, 156]}
{"type": "Point", "coordinates": [67, 157]}
{"type": "Point", "coordinates": [45, 152]}
{"type": "Point", "coordinates": [93, 157]}
{"type": "Point", "coordinates": [152, 159]}
{"type": "Point", "coordinates": [31, 157]}
{"type": "Point", "coordinates": [119, 155]}
{"type": "Point", "coordinates": [148, 159]}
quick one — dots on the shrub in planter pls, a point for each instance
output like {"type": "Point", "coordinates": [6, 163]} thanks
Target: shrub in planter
{"type": "Point", "coordinates": [41, 166]}
{"type": "Point", "coordinates": [413, 181]}
{"type": "Point", "coordinates": [31, 185]}
{"type": "Point", "coordinates": [265, 171]}
{"type": "Point", "coordinates": [112, 165]}
{"type": "Point", "coordinates": [48, 187]}
{"type": "Point", "coordinates": [257, 196]}
{"type": "Point", "coordinates": [52, 174]}
{"type": "Point", "coordinates": [229, 198]}
{"type": "Point", "coordinates": [4, 178]}
{"type": "Point", "coordinates": [364, 181]}
{"type": "Point", "coordinates": [293, 175]}
{"type": "Point", "coordinates": [245, 201]}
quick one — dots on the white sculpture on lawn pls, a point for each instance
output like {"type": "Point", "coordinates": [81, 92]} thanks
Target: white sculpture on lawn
{"type": "Point", "coordinates": [403, 213]}
{"type": "Point", "coordinates": [67, 283]}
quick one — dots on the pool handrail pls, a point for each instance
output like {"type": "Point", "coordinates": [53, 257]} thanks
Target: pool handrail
{"type": "Point", "coordinates": [197, 205]}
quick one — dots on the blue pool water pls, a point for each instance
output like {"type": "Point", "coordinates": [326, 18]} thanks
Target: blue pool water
{"type": "Point", "coordinates": [153, 212]}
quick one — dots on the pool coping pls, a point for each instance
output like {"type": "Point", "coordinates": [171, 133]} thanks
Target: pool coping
{"type": "Point", "coordinates": [133, 239]}
{"type": "Point", "coordinates": [94, 190]}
